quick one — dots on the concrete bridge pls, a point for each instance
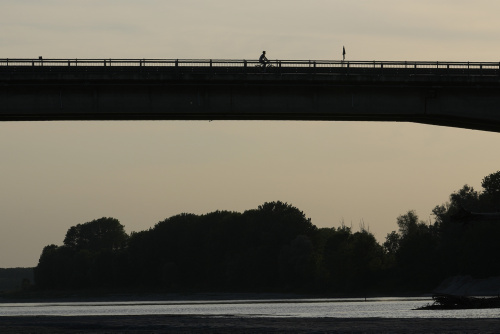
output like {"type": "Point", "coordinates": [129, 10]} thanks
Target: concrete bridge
{"type": "Point", "coordinates": [457, 94]}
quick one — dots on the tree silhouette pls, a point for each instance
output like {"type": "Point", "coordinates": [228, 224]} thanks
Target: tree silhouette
{"type": "Point", "coordinates": [96, 235]}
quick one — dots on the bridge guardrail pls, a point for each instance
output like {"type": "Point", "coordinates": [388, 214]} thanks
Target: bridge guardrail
{"type": "Point", "coordinates": [248, 63]}
{"type": "Point", "coordinates": [486, 70]}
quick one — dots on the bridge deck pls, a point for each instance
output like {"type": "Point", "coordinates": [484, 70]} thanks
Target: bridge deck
{"type": "Point", "coordinates": [461, 94]}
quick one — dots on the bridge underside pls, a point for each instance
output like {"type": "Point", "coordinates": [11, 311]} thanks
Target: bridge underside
{"type": "Point", "coordinates": [45, 93]}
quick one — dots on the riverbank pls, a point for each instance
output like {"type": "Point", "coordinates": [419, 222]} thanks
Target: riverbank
{"type": "Point", "coordinates": [106, 296]}
{"type": "Point", "coordinates": [225, 325]}
{"type": "Point", "coordinates": [138, 296]}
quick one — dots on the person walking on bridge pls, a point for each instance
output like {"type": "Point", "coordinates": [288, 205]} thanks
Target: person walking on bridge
{"type": "Point", "coordinates": [263, 60]}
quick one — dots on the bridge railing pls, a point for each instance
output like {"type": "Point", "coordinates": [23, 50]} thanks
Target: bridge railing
{"type": "Point", "coordinates": [242, 63]}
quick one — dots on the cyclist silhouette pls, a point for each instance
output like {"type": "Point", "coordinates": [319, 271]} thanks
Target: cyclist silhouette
{"type": "Point", "coordinates": [263, 60]}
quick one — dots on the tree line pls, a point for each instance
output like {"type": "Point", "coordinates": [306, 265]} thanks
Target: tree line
{"type": "Point", "coordinates": [276, 248]}
{"type": "Point", "coordinates": [15, 279]}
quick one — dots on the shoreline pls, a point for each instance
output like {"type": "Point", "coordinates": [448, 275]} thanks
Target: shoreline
{"type": "Point", "coordinates": [230, 324]}
{"type": "Point", "coordinates": [93, 296]}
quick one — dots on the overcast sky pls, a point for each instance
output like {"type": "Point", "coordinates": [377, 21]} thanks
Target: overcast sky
{"type": "Point", "coordinates": [58, 174]}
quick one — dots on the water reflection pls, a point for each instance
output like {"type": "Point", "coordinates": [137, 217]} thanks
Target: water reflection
{"type": "Point", "coordinates": [308, 308]}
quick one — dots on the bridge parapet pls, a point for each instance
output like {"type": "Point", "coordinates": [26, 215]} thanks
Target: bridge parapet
{"type": "Point", "coordinates": [223, 70]}
{"type": "Point", "coordinates": [242, 63]}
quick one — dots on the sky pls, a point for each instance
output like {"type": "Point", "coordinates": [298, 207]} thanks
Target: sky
{"type": "Point", "coordinates": [55, 175]}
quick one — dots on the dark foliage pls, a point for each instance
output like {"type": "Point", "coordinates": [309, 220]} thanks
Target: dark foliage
{"type": "Point", "coordinates": [15, 279]}
{"type": "Point", "coordinates": [276, 248]}
{"type": "Point", "coordinates": [92, 256]}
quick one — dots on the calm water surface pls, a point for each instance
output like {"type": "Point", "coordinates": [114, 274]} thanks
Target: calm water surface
{"type": "Point", "coordinates": [310, 308]}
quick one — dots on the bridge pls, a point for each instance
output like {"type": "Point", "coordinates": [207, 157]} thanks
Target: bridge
{"type": "Point", "coordinates": [457, 94]}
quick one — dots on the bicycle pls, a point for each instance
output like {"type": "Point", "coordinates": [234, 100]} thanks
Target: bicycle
{"type": "Point", "coordinates": [267, 64]}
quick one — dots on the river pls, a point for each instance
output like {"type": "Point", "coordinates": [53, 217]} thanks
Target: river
{"type": "Point", "coordinates": [305, 308]}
